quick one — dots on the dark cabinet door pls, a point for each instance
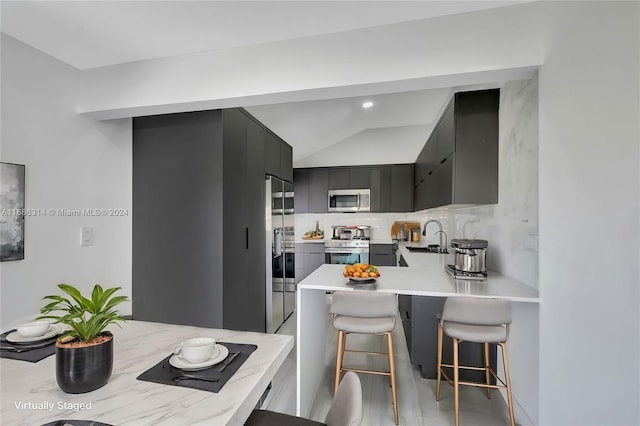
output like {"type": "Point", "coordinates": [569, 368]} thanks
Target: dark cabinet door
{"type": "Point", "coordinates": [359, 177]}
{"type": "Point", "coordinates": [401, 188]}
{"type": "Point", "coordinates": [476, 171]}
{"type": "Point", "coordinates": [439, 190]}
{"type": "Point", "coordinates": [318, 190]}
{"type": "Point", "coordinates": [272, 155]}
{"type": "Point", "coordinates": [286, 162]}
{"type": "Point", "coordinates": [446, 135]}
{"type": "Point", "coordinates": [339, 178]}
{"type": "Point", "coordinates": [301, 190]}
{"type": "Point", "coordinates": [380, 189]}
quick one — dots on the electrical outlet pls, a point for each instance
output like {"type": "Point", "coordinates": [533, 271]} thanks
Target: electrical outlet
{"type": "Point", "coordinates": [86, 236]}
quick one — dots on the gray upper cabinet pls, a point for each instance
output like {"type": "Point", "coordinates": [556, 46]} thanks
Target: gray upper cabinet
{"type": "Point", "coordinates": [391, 186]}
{"type": "Point", "coordinates": [401, 183]}
{"type": "Point", "coordinates": [272, 155]}
{"type": "Point", "coordinates": [359, 177]}
{"type": "Point", "coordinates": [459, 163]}
{"type": "Point", "coordinates": [286, 162]}
{"type": "Point", "coordinates": [301, 191]}
{"type": "Point", "coordinates": [278, 157]}
{"type": "Point", "coordinates": [311, 187]}
{"type": "Point", "coordinates": [339, 178]}
{"type": "Point", "coordinates": [380, 188]}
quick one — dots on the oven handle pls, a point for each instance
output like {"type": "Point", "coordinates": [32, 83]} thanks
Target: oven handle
{"type": "Point", "coordinates": [339, 250]}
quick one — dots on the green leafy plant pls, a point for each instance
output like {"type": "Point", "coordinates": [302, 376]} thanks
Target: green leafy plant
{"type": "Point", "coordinates": [86, 317]}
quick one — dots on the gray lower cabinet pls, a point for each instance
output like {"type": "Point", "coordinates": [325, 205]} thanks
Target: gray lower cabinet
{"type": "Point", "coordinates": [198, 219]}
{"type": "Point", "coordinates": [382, 255]}
{"type": "Point", "coordinates": [459, 162]}
{"type": "Point", "coordinates": [420, 325]}
{"type": "Point", "coordinates": [309, 257]}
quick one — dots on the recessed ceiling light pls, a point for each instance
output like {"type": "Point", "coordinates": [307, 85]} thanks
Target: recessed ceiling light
{"type": "Point", "coordinates": [367, 104]}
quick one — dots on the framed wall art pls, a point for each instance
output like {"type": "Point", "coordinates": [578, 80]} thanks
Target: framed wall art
{"type": "Point", "coordinates": [11, 211]}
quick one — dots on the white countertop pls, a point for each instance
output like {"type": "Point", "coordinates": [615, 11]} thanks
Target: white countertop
{"type": "Point", "coordinates": [425, 276]}
{"type": "Point", "coordinates": [124, 400]}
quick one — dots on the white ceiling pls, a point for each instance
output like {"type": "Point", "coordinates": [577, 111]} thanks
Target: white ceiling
{"type": "Point", "coordinates": [89, 34]}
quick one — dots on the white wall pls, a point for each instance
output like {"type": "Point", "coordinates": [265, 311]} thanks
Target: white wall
{"type": "Point", "coordinates": [72, 162]}
{"type": "Point", "coordinates": [589, 215]}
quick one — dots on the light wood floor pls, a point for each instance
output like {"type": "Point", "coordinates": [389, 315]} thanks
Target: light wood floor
{"type": "Point", "coordinates": [416, 396]}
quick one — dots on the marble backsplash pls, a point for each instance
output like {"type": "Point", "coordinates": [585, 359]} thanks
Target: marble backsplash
{"type": "Point", "coordinates": [511, 226]}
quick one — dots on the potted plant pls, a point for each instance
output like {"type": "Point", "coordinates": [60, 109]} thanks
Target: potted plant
{"type": "Point", "coordinates": [84, 353]}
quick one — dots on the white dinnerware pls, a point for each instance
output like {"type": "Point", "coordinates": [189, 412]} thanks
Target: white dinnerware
{"type": "Point", "coordinates": [196, 350]}
{"type": "Point", "coordinates": [219, 354]}
{"type": "Point", "coordinates": [33, 329]}
{"type": "Point", "coordinates": [15, 337]}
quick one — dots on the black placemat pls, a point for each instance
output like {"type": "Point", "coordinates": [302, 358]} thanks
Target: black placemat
{"type": "Point", "coordinates": [164, 373]}
{"type": "Point", "coordinates": [32, 351]}
{"type": "Point", "coordinates": [76, 423]}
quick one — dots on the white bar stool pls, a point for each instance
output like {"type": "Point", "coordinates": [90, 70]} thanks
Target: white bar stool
{"type": "Point", "coordinates": [478, 320]}
{"type": "Point", "coordinates": [365, 312]}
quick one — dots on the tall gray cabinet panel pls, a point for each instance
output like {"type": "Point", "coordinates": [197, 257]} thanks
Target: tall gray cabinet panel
{"type": "Point", "coordinates": [198, 219]}
{"type": "Point", "coordinates": [177, 222]}
{"type": "Point", "coordinates": [243, 212]}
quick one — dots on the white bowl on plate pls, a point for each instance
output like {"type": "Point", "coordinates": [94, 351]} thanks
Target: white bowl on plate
{"type": "Point", "coordinates": [33, 329]}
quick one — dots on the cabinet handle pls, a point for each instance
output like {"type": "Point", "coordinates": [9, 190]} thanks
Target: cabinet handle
{"type": "Point", "coordinates": [246, 234]}
{"type": "Point", "coordinates": [407, 314]}
{"type": "Point", "coordinates": [444, 160]}
{"type": "Point", "coordinates": [430, 173]}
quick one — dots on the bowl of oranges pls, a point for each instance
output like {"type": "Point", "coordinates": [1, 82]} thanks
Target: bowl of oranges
{"type": "Point", "coordinates": [361, 272]}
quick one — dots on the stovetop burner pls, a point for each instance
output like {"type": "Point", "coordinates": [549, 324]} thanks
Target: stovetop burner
{"type": "Point", "coordinates": [462, 275]}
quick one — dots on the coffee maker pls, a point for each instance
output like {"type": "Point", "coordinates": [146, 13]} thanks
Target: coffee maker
{"type": "Point", "coordinates": [470, 259]}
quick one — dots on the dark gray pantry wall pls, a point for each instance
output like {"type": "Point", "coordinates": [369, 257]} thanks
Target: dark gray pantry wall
{"type": "Point", "coordinates": [177, 235]}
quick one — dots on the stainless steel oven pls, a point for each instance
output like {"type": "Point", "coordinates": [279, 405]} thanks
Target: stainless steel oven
{"type": "Point", "coordinates": [346, 252]}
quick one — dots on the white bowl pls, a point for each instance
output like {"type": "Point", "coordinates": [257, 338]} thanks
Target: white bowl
{"type": "Point", "coordinates": [33, 329]}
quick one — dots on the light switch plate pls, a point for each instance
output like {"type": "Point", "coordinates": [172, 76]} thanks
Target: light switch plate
{"type": "Point", "coordinates": [86, 237]}
{"type": "Point", "coordinates": [531, 242]}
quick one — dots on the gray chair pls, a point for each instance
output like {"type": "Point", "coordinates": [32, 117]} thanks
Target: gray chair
{"type": "Point", "coordinates": [345, 409]}
{"type": "Point", "coordinates": [479, 320]}
{"type": "Point", "coordinates": [365, 312]}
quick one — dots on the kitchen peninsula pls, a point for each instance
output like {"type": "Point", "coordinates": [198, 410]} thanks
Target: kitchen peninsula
{"type": "Point", "coordinates": [425, 276]}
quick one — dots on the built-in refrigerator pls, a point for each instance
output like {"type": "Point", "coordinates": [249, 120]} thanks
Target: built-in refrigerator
{"type": "Point", "coordinates": [280, 263]}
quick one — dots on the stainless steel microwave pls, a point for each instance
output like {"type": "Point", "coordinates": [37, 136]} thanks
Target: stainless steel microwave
{"type": "Point", "coordinates": [349, 200]}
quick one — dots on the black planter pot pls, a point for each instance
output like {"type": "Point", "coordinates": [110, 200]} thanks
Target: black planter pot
{"type": "Point", "coordinates": [84, 369]}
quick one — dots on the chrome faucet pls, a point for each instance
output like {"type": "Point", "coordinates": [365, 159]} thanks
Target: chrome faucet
{"type": "Point", "coordinates": [440, 233]}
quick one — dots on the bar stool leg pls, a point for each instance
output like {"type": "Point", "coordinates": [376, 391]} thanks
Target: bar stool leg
{"type": "Point", "coordinates": [440, 337]}
{"type": "Point", "coordinates": [507, 377]}
{"type": "Point", "coordinates": [392, 371]}
{"type": "Point", "coordinates": [487, 375]}
{"type": "Point", "coordinates": [456, 380]}
{"type": "Point", "coordinates": [342, 337]}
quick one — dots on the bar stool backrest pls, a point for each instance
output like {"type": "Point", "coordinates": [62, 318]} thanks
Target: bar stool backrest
{"type": "Point", "coordinates": [364, 304]}
{"type": "Point", "coordinates": [477, 311]}
{"type": "Point", "coordinates": [346, 407]}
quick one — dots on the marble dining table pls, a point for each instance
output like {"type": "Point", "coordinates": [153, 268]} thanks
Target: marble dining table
{"type": "Point", "coordinates": [31, 396]}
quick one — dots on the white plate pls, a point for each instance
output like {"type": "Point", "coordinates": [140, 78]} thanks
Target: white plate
{"type": "Point", "coordinates": [14, 337]}
{"type": "Point", "coordinates": [219, 354]}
